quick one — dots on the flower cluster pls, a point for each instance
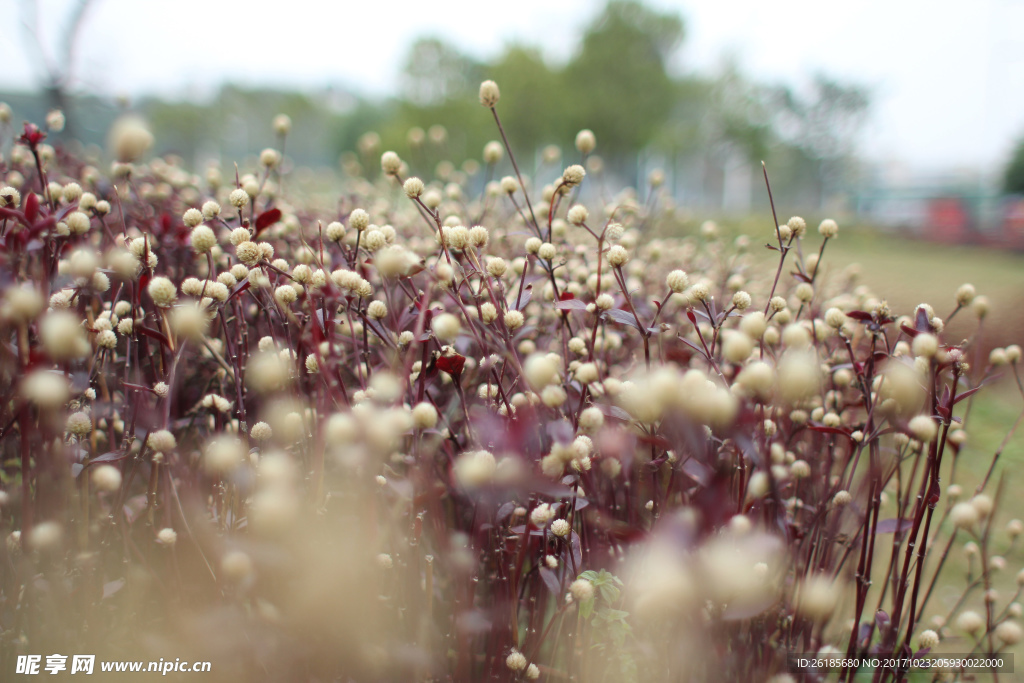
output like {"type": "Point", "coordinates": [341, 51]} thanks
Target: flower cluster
{"type": "Point", "coordinates": [415, 432]}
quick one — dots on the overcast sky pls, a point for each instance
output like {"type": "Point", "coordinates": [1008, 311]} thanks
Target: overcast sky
{"type": "Point", "coordinates": [948, 75]}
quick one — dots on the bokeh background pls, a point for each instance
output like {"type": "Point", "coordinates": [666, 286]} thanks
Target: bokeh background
{"type": "Point", "coordinates": [903, 120]}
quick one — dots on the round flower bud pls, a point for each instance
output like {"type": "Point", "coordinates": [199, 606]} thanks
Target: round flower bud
{"type": "Point", "coordinates": [167, 536]}
{"type": "Point", "coordinates": [239, 198]}
{"type": "Point", "coordinates": [203, 239]}
{"type": "Point", "coordinates": [390, 163]}
{"type": "Point", "coordinates": [923, 428]}
{"type": "Point", "coordinates": [335, 231]}
{"type": "Point", "coordinates": [585, 141]}
{"type": "Point", "coordinates": [489, 94]}
{"type": "Point", "coordinates": [239, 236]}
{"type": "Point", "coordinates": [249, 253]}
{"type": "Point", "coordinates": [741, 301]}
{"type": "Point", "coordinates": [965, 294]}
{"type": "Point", "coordinates": [106, 478]}
{"type": "Point", "coordinates": [546, 251]}
{"type": "Point", "coordinates": [162, 291]}
{"type": "Point", "coordinates": [192, 218]}
{"type": "Point", "coordinates": [1014, 528]}
{"type": "Point", "coordinates": [9, 198]}
{"type": "Point", "coordinates": [1009, 632]}
{"type": "Point", "coordinates": [359, 220]}
{"type": "Point", "coordinates": [970, 622]}
{"type": "Point", "coordinates": [161, 441]}
{"type": "Point", "coordinates": [446, 326]}
{"type": "Point", "coordinates": [617, 256]}
{"type": "Point", "coordinates": [496, 266]}
{"type": "Point", "coordinates": [285, 294]}
{"type": "Point", "coordinates": [270, 157]}
{"type": "Point", "coordinates": [516, 661]}
{"type": "Point", "coordinates": [106, 339]}
{"type": "Point", "coordinates": [925, 345]}
{"type": "Point", "coordinates": [591, 419]}
{"type": "Point", "coordinates": [754, 324]}
{"type": "Point", "coordinates": [797, 225]}
{"type": "Point", "coordinates": [413, 188]}
{"type": "Point", "coordinates": [581, 590]}
{"type": "Point", "coordinates": [130, 138]}
{"type": "Point", "coordinates": [983, 505]}
{"type": "Point", "coordinates": [677, 281]}
{"type": "Point", "coordinates": [928, 639]}
{"type": "Point", "coordinates": [560, 528]}
{"type": "Point", "coordinates": [514, 320]}
{"type": "Point", "coordinates": [963, 515]}
{"type": "Point", "coordinates": [842, 498]}
{"type": "Point", "coordinates": [211, 209]}
{"type": "Point", "coordinates": [282, 124]}
{"type": "Point", "coordinates": [828, 228]}
{"type": "Point", "coordinates": [377, 310]}
{"type": "Point", "coordinates": [532, 672]}
{"type": "Point", "coordinates": [474, 469]}
{"type": "Point", "coordinates": [79, 424]}
{"type": "Point", "coordinates": [578, 215]}
{"type": "Point", "coordinates": [573, 175]}
{"type": "Point", "coordinates": [488, 312]}
{"type": "Point", "coordinates": [261, 431]}
{"type": "Point", "coordinates": [493, 151]}
{"type": "Point", "coordinates": [817, 598]}
{"type": "Point", "coordinates": [77, 222]}
{"type": "Point", "coordinates": [835, 318]}
{"type": "Point", "coordinates": [424, 416]}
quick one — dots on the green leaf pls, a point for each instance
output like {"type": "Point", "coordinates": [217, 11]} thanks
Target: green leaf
{"type": "Point", "coordinates": [609, 593]}
{"type": "Point", "coordinates": [586, 608]}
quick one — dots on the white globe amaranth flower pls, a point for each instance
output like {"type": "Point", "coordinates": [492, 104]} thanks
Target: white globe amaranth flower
{"type": "Point", "coordinates": [677, 281]}
{"type": "Point", "coordinates": [192, 218]}
{"type": "Point", "coordinates": [161, 440]}
{"type": "Point", "coordinates": [586, 141]}
{"type": "Point", "coordinates": [162, 291]}
{"type": "Point", "coordinates": [167, 536]}
{"type": "Point", "coordinates": [446, 326]}
{"type": "Point", "coordinates": [573, 175]}
{"type": "Point", "coordinates": [493, 151]}
{"type": "Point", "coordinates": [560, 527]}
{"type": "Point", "coordinates": [211, 209]}
{"type": "Point", "coordinates": [516, 660]}
{"type": "Point", "coordinates": [578, 214]}
{"type": "Point", "coordinates": [359, 220]}
{"type": "Point", "coordinates": [514, 320]}
{"type": "Point", "coordinates": [413, 188]}
{"type": "Point", "coordinates": [239, 198]}
{"type": "Point", "coordinates": [390, 163]}
{"type": "Point", "coordinates": [106, 478]}
{"type": "Point", "coordinates": [270, 158]}
{"type": "Point", "coordinates": [581, 590]}
{"type": "Point", "coordinates": [618, 256]}
{"type": "Point", "coordinates": [923, 428]}
{"type": "Point", "coordinates": [489, 94]}
{"type": "Point", "coordinates": [203, 239]}
{"type": "Point", "coordinates": [828, 228]}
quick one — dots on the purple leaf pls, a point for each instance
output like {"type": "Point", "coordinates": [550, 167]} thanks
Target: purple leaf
{"type": "Point", "coordinates": [551, 581]}
{"type": "Point", "coordinates": [890, 526]}
{"type": "Point", "coordinates": [620, 316]}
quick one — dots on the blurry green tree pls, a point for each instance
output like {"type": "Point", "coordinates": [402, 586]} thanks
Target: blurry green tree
{"type": "Point", "coordinates": [1013, 176]}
